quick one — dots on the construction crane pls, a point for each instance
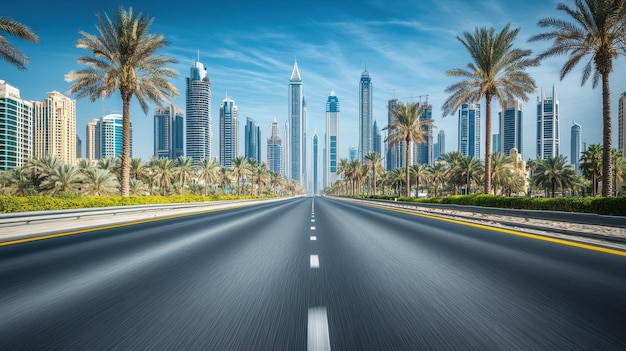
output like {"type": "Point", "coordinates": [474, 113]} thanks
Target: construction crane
{"type": "Point", "coordinates": [420, 97]}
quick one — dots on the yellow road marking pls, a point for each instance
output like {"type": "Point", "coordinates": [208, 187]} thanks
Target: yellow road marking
{"type": "Point", "coordinates": [511, 232]}
{"type": "Point", "coordinates": [111, 226]}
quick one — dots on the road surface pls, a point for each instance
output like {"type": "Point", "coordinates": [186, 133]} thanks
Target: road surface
{"type": "Point", "coordinates": [308, 274]}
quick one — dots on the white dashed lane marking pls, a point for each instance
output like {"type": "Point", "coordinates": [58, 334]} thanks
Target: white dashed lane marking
{"type": "Point", "coordinates": [318, 338]}
{"type": "Point", "coordinates": [315, 261]}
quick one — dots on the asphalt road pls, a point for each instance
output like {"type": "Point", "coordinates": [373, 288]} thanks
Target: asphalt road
{"type": "Point", "coordinates": [253, 278]}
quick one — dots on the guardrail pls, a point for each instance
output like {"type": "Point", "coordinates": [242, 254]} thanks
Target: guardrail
{"type": "Point", "coordinates": [470, 213]}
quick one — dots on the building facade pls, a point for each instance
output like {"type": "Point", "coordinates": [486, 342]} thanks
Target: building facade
{"type": "Point", "coordinates": [168, 132]}
{"type": "Point", "coordinates": [109, 130]}
{"type": "Point", "coordinates": [440, 148]}
{"type": "Point", "coordinates": [548, 129]}
{"type": "Point", "coordinates": [621, 125]}
{"type": "Point", "coordinates": [366, 120]}
{"type": "Point", "coordinates": [377, 139]}
{"type": "Point", "coordinates": [395, 153]}
{"type": "Point", "coordinates": [252, 142]}
{"type": "Point", "coordinates": [315, 159]}
{"type": "Point", "coordinates": [92, 142]}
{"type": "Point", "coordinates": [511, 128]}
{"type": "Point", "coordinates": [275, 150]}
{"type": "Point", "coordinates": [229, 132]}
{"type": "Point", "coordinates": [469, 130]}
{"type": "Point", "coordinates": [295, 138]}
{"type": "Point", "coordinates": [16, 128]}
{"type": "Point", "coordinates": [576, 146]}
{"type": "Point", "coordinates": [54, 128]}
{"type": "Point", "coordinates": [199, 129]}
{"type": "Point", "coordinates": [331, 149]}
{"type": "Point", "coordinates": [423, 153]}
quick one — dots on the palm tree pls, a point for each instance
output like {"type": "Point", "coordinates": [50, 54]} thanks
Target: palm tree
{"type": "Point", "coordinates": [101, 182]}
{"type": "Point", "coordinates": [63, 178]}
{"type": "Point", "coordinates": [373, 160]}
{"type": "Point", "coordinates": [138, 169]}
{"type": "Point", "coordinates": [185, 170]}
{"type": "Point", "coordinates": [276, 180]}
{"type": "Point", "coordinates": [125, 60]}
{"type": "Point", "coordinates": [438, 175]}
{"type": "Point", "coordinates": [225, 178]}
{"type": "Point", "coordinates": [554, 171]}
{"type": "Point", "coordinates": [597, 29]}
{"type": "Point", "coordinates": [19, 182]}
{"type": "Point", "coordinates": [164, 170]}
{"type": "Point", "coordinates": [501, 171]}
{"type": "Point", "coordinates": [591, 165]}
{"type": "Point", "coordinates": [208, 173]}
{"type": "Point", "coordinates": [240, 170]}
{"type": "Point", "coordinates": [9, 52]}
{"type": "Point", "coordinates": [420, 174]}
{"type": "Point", "coordinates": [497, 71]}
{"type": "Point", "coordinates": [408, 126]}
{"type": "Point", "coordinates": [137, 187]}
{"type": "Point", "coordinates": [619, 169]}
{"type": "Point", "coordinates": [453, 160]}
{"type": "Point", "coordinates": [469, 168]}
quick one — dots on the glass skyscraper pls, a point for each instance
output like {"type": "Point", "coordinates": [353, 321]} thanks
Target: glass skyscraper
{"type": "Point", "coordinates": [377, 139]}
{"type": "Point", "coordinates": [469, 130]}
{"type": "Point", "coordinates": [511, 128]}
{"type": "Point", "coordinates": [395, 153]}
{"type": "Point", "coordinates": [576, 146]}
{"type": "Point", "coordinates": [198, 110]}
{"type": "Point", "coordinates": [548, 130]}
{"type": "Point", "coordinates": [274, 150]}
{"type": "Point", "coordinates": [229, 132]}
{"type": "Point", "coordinates": [332, 139]}
{"type": "Point", "coordinates": [252, 140]}
{"type": "Point", "coordinates": [110, 135]}
{"type": "Point", "coordinates": [366, 142]}
{"type": "Point", "coordinates": [440, 148]}
{"type": "Point", "coordinates": [295, 131]}
{"type": "Point", "coordinates": [315, 157]}
{"type": "Point", "coordinates": [424, 153]}
{"type": "Point", "coordinates": [168, 132]}
{"type": "Point", "coordinates": [16, 128]}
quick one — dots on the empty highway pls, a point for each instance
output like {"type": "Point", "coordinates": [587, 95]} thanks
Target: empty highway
{"type": "Point", "coordinates": [309, 274]}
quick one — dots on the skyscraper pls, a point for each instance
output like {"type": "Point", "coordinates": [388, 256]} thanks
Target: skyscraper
{"type": "Point", "coordinates": [252, 140]}
{"type": "Point", "coordinates": [54, 128]}
{"type": "Point", "coordinates": [548, 130]}
{"type": "Point", "coordinates": [469, 130]}
{"type": "Point", "coordinates": [295, 130]}
{"type": "Point", "coordinates": [366, 144]}
{"type": "Point", "coordinates": [377, 139]}
{"type": "Point", "coordinates": [352, 153]}
{"type": "Point", "coordinates": [79, 147]}
{"type": "Point", "coordinates": [304, 181]}
{"type": "Point", "coordinates": [109, 131]}
{"type": "Point", "coordinates": [496, 145]}
{"type": "Point", "coordinates": [395, 153]}
{"type": "Point", "coordinates": [511, 128]}
{"type": "Point", "coordinates": [229, 132]}
{"type": "Point", "coordinates": [16, 128]}
{"type": "Point", "coordinates": [441, 145]}
{"type": "Point", "coordinates": [576, 146]}
{"type": "Point", "coordinates": [274, 150]}
{"type": "Point", "coordinates": [332, 139]}
{"type": "Point", "coordinates": [168, 132]}
{"type": "Point", "coordinates": [92, 143]}
{"type": "Point", "coordinates": [621, 121]}
{"type": "Point", "coordinates": [315, 157]}
{"type": "Point", "coordinates": [198, 110]}
{"type": "Point", "coordinates": [423, 153]}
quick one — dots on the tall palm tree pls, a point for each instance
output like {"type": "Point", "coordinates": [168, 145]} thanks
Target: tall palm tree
{"type": "Point", "coordinates": [240, 171]}
{"type": "Point", "coordinates": [469, 168]}
{"type": "Point", "coordinates": [276, 180]}
{"type": "Point", "coordinates": [438, 175]}
{"type": "Point", "coordinates": [9, 52]}
{"type": "Point", "coordinates": [497, 71]}
{"type": "Point", "coordinates": [225, 178]}
{"type": "Point", "coordinates": [501, 171]}
{"type": "Point", "coordinates": [185, 171]}
{"type": "Point", "coordinates": [164, 170]}
{"type": "Point", "coordinates": [453, 160]}
{"type": "Point", "coordinates": [554, 172]}
{"type": "Point", "coordinates": [125, 60]}
{"type": "Point", "coordinates": [208, 173]}
{"type": "Point", "coordinates": [591, 165]}
{"type": "Point", "coordinates": [373, 161]}
{"type": "Point", "coordinates": [408, 126]}
{"type": "Point", "coordinates": [420, 174]}
{"type": "Point", "coordinates": [619, 169]}
{"type": "Point", "coordinates": [597, 28]}
{"type": "Point", "coordinates": [138, 169]}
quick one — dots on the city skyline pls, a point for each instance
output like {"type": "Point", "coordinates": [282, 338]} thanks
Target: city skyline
{"type": "Point", "coordinates": [330, 52]}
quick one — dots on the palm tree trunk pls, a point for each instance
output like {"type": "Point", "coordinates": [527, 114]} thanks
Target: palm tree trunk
{"type": "Point", "coordinates": [125, 169]}
{"type": "Point", "coordinates": [407, 158]}
{"type": "Point", "coordinates": [488, 144]}
{"type": "Point", "coordinates": [374, 181]}
{"type": "Point", "coordinates": [606, 137]}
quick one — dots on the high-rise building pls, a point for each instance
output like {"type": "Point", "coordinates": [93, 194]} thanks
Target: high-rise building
{"type": "Point", "coordinates": [199, 129]}
{"type": "Point", "coordinates": [295, 129]}
{"type": "Point", "coordinates": [168, 132]}
{"type": "Point", "coordinates": [395, 153]}
{"type": "Point", "coordinates": [469, 130]}
{"type": "Point", "coordinates": [92, 141]}
{"type": "Point", "coordinates": [511, 128]}
{"type": "Point", "coordinates": [423, 153]}
{"type": "Point", "coordinates": [54, 128]}
{"type": "Point", "coordinates": [16, 128]}
{"type": "Point", "coordinates": [229, 132]}
{"type": "Point", "coordinates": [274, 150]}
{"type": "Point", "coordinates": [304, 172]}
{"type": "Point", "coordinates": [79, 147]}
{"type": "Point", "coordinates": [331, 151]}
{"type": "Point", "coordinates": [377, 139]}
{"type": "Point", "coordinates": [440, 149]}
{"type": "Point", "coordinates": [496, 145]}
{"type": "Point", "coordinates": [548, 130]}
{"type": "Point", "coordinates": [621, 128]}
{"type": "Point", "coordinates": [109, 131]}
{"type": "Point", "coordinates": [252, 140]}
{"type": "Point", "coordinates": [352, 153]}
{"type": "Point", "coordinates": [366, 125]}
{"type": "Point", "coordinates": [576, 146]}
{"type": "Point", "coordinates": [315, 157]}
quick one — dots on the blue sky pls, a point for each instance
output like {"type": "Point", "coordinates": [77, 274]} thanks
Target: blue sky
{"type": "Point", "coordinates": [249, 49]}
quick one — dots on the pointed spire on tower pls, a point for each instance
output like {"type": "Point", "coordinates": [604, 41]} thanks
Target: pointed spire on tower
{"type": "Point", "coordinates": [295, 74]}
